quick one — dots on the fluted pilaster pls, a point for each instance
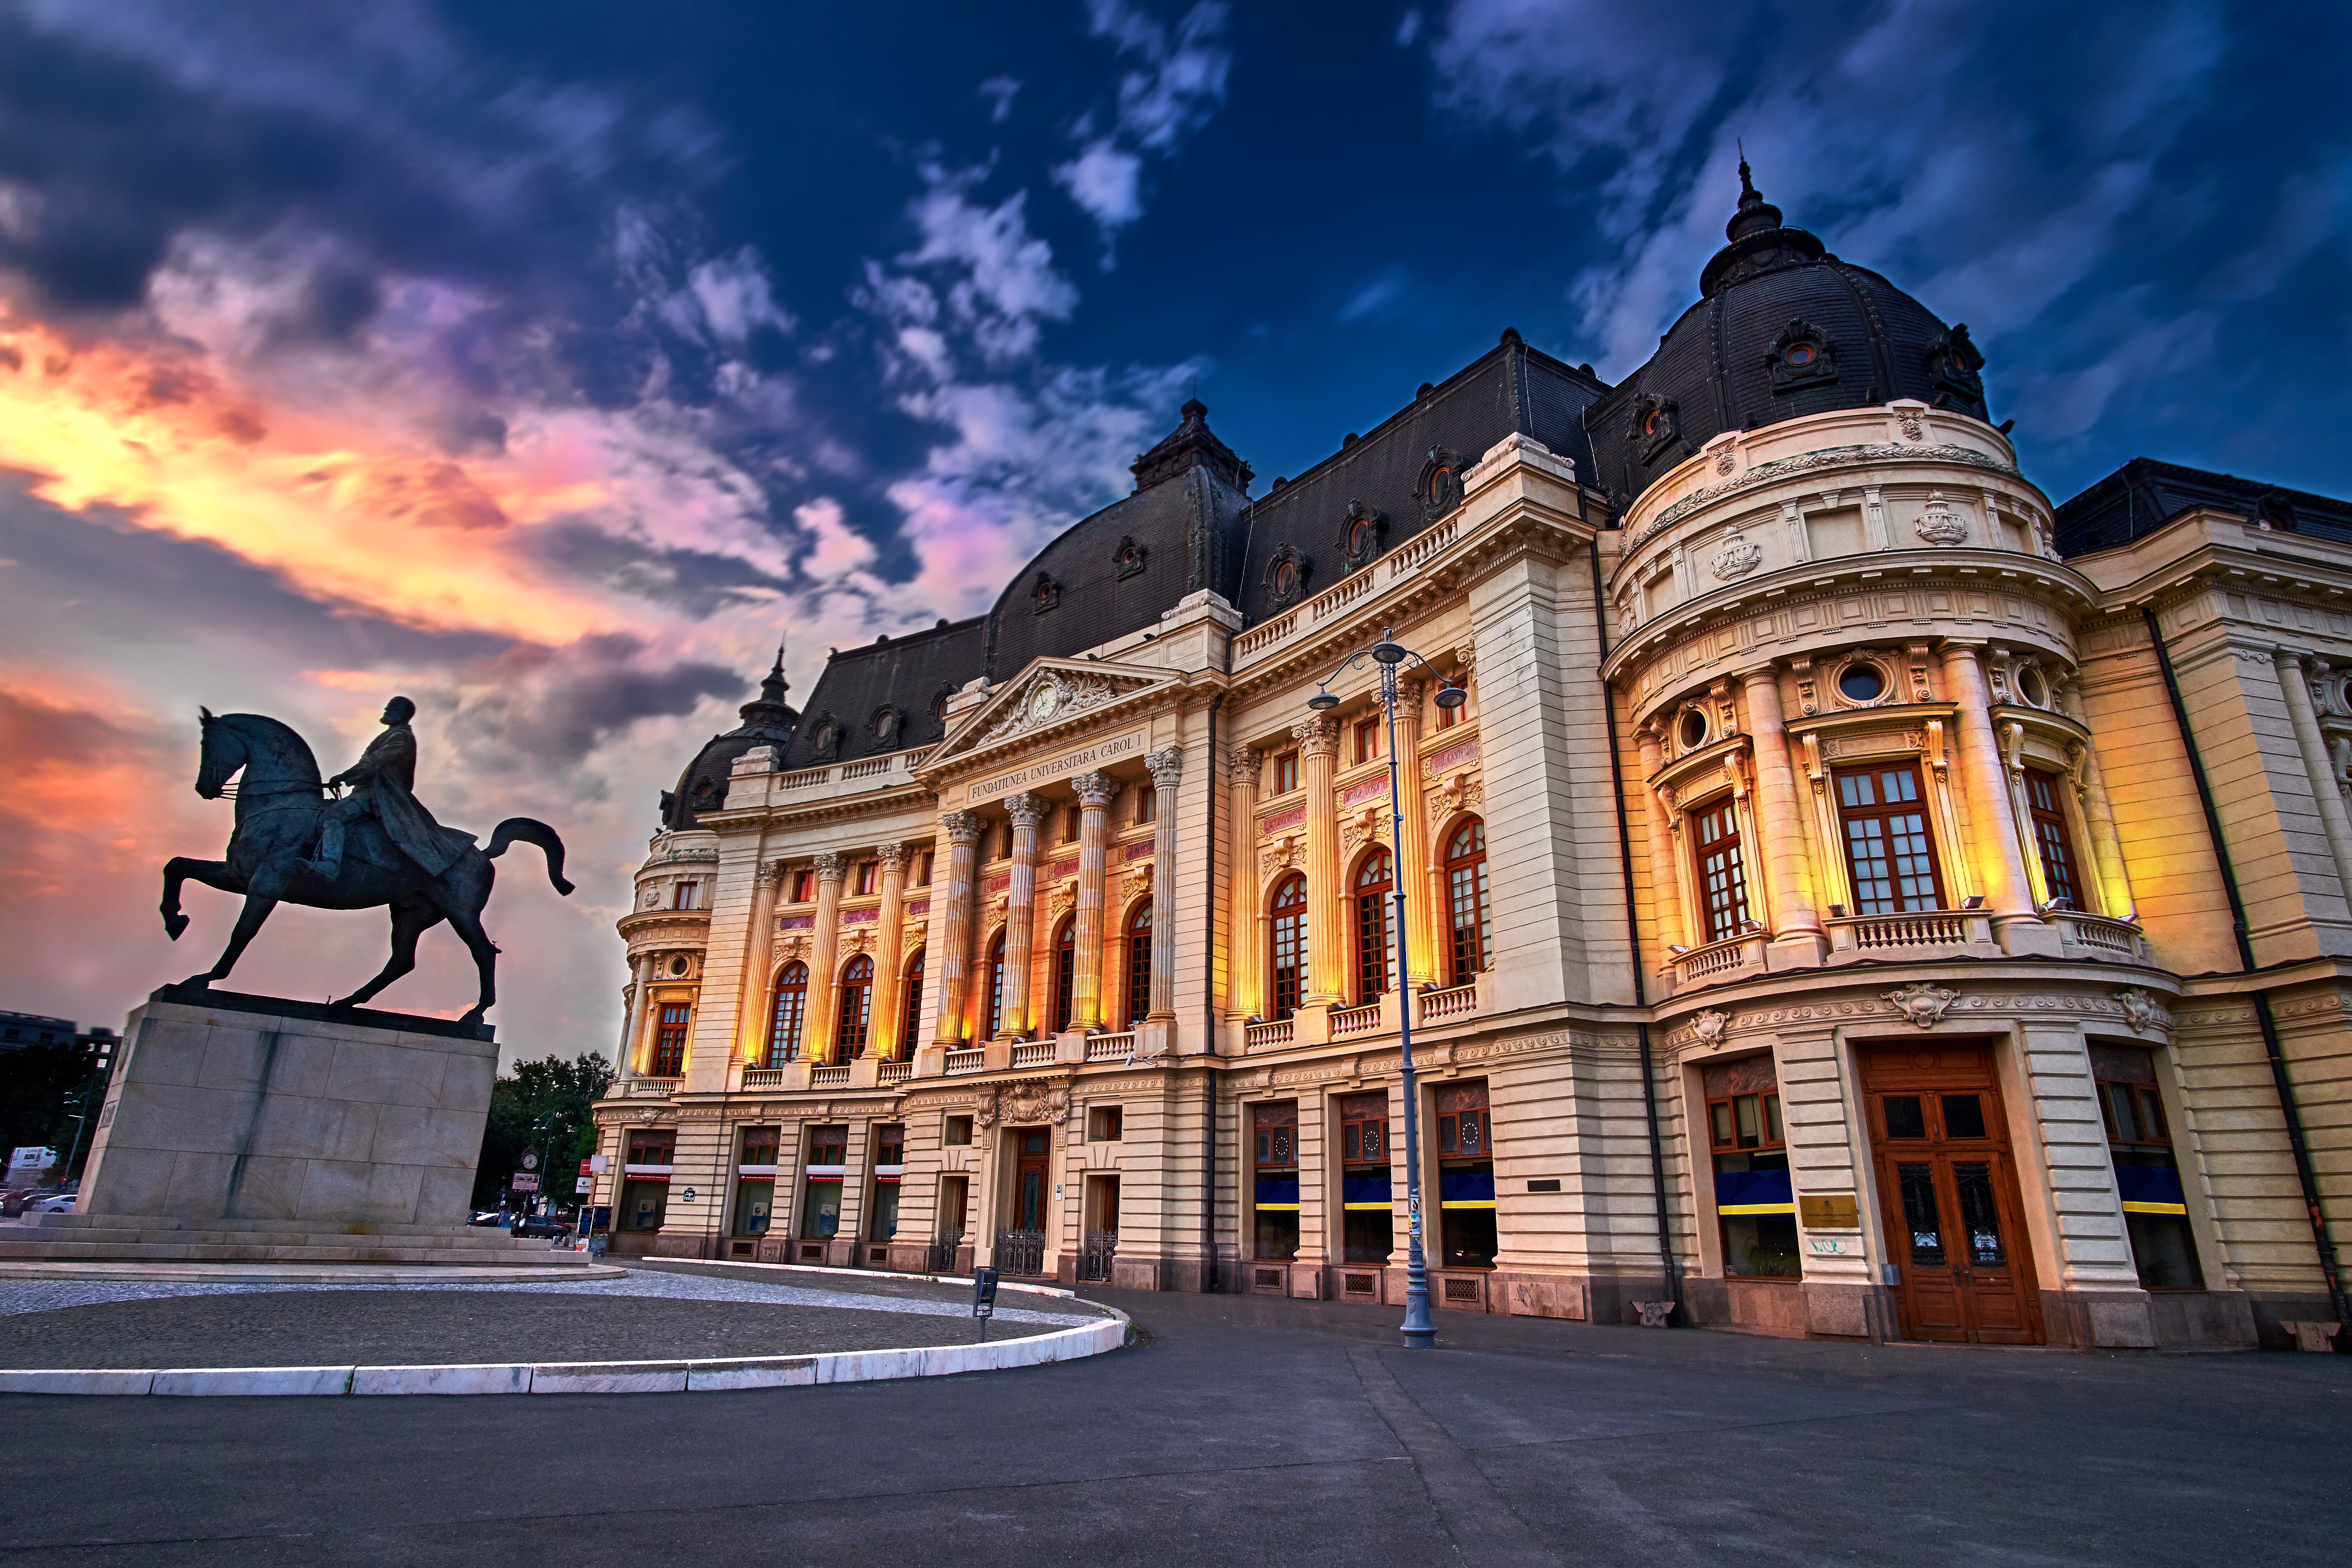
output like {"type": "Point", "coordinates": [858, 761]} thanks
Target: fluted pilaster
{"type": "Point", "coordinates": [883, 1036]}
{"type": "Point", "coordinates": [759, 957]}
{"type": "Point", "coordinates": [1413, 841]}
{"type": "Point", "coordinates": [1021, 912]}
{"type": "Point", "coordinates": [963, 830]}
{"type": "Point", "coordinates": [1242, 1000]}
{"type": "Point", "coordinates": [1797, 939]}
{"type": "Point", "coordinates": [1665, 876]}
{"type": "Point", "coordinates": [824, 997]}
{"type": "Point", "coordinates": [1095, 792]}
{"type": "Point", "coordinates": [1166, 767]}
{"type": "Point", "coordinates": [1318, 752]}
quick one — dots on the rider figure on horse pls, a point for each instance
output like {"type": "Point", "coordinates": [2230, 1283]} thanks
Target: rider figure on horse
{"type": "Point", "coordinates": [382, 787]}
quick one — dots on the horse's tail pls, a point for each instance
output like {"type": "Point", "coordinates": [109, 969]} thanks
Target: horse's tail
{"type": "Point", "coordinates": [532, 831]}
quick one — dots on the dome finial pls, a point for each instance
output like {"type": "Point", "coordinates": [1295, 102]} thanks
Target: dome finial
{"type": "Point", "coordinates": [1754, 214]}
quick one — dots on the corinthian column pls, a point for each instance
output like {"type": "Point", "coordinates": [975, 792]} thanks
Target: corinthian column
{"type": "Point", "coordinates": [883, 1036]}
{"type": "Point", "coordinates": [1319, 749]}
{"type": "Point", "coordinates": [1798, 939]}
{"type": "Point", "coordinates": [1021, 912]}
{"type": "Point", "coordinates": [2294, 685]}
{"type": "Point", "coordinates": [1166, 767]}
{"type": "Point", "coordinates": [1413, 841]}
{"type": "Point", "coordinates": [642, 966]}
{"type": "Point", "coordinates": [1095, 792]}
{"type": "Point", "coordinates": [1241, 999]}
{"type": "Point", "coordinates": [823, 1002]}
{"type": "Point", "coordinates": [1992, 816]}
{"type": "Point", "coordinates": [758, 956]}
{"type": "Point", "coordinates": [1665, 879]}
{"type": "Point", "coordinates": [2098, 815]}
{"type": "Point", "coordinates": [955, 958]}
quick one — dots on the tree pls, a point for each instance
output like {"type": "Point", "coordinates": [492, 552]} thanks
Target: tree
{"type": "Point", "coordinates": [545, 1108]}
{"type": "Point", "coordinates": [42, 1089]}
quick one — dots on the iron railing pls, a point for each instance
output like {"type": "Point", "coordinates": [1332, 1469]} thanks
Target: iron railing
{"type": "Point", "coordinates": [1021, 1252]}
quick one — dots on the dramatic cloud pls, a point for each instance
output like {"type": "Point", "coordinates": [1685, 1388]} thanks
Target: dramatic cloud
{"type": "Point", "coordinates": [1179, 83]}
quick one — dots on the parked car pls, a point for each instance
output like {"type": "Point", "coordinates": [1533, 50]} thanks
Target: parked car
{"type": "Point", "coordinates": [15, 1201]}
{"type": "Point", "coordinates": [543, 1224]}
{"type": "Point", "coordinates": [487, 1216]}
{"type": "Point", "coordinates": [56, 1202]}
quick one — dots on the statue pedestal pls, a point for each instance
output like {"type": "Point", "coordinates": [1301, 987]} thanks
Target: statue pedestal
{"type": "Point", "coordinates": [227, 1107]}
{"type": "Point", "coordinates": [252, 1130]}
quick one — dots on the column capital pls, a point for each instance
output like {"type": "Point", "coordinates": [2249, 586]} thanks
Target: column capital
{"type": "Point", "coordinates": [1095, 790]}
{"type": "Point", "coordinates": [771, 874]}
{"type": "Point", "coordinates": [830, 866]}
{"type": "Point", "coordinates": [963, 826]}
{"type": "Point", "coordinates": [1242, 763]}
{"type": "Point", "coordinates": [1318, 736]}
{"type": "Point", "coordinates": [2291, 659]}
{"type": "Point", "coordinates": [1025, 810]}
{"type": "Point", "coordinates": [1165, 765]}
{"type": "Point", "coordinates": [1410, 692]}
{"type": "Point", "coordinates": [892, 856]}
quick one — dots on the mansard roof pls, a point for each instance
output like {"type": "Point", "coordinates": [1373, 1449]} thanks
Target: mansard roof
{"type": "Point", "coordinates": [2144, 495]}
{"type": "Point", "coordinates": [908, 675]}
{"type": "Point", "coordinates": [1388, 474]}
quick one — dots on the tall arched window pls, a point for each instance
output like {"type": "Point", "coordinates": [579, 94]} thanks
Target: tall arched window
{"type": "Point", "coordinates": [1473, 943]}
{"type": "Point", "coordinates": [1066, 974]}
{"type": "Point", "coordinates": [993, 1015]}
{"type": "Point", "coordinates": [1375, 925]}
{"type": "Point", "coordinates": [1139, 963]}
{"type": "Point", "coordinates": [856, 1008]}
{"type": "Point", "coordinates": [1289, 967]}
{"type": "Point", "coordinates": [792, 1007]}
{"type": "Point", "coordinates": [910, 987]}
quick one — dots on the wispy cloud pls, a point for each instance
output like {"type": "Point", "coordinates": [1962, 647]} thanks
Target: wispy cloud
{"type": "Point", "coordinates": [1178, 83]}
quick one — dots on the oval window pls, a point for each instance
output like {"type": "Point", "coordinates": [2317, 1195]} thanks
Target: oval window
{"type": "Point", "coordinates": [1360, 538]}
{"type": "Point", "coordinates": [2032, 688]}
{"type": "Point", "coordinates": [1650, 423]}
{"type": "Point", "coordinates": [1286, 579]}
{"type": "Point", "coordinates": [1693, 730]}
{"type": "Point", "coordinates": [1862, 683]}
{"type": "Point", "coordinates": [1799, 353]}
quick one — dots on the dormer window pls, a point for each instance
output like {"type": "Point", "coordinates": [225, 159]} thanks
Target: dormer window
{"type": "Point", "coordinates": [1359, 534]}
{"type": "Point", "coordinates": [1044, 594]}
{"type": "Point", "coordinates": [1802, 356]}
{"type": "Point", "coordinates": [1286, 574]}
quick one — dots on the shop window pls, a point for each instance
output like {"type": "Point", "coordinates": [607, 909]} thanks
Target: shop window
{"type": "Point", "coordinates": [1472, 943]}
{"type": "Point", "coordinates": [669, 1041]}
{"type": "Point", "coordinates": [1888, 851]}
{"type": "Point", "coordinates": [1147, 803]}
{"type": "Point", "coordinates": [755, 1185]}
{"type": "Point", "coordinates": [1755, 1205]}
{"type": "Point", "coordinates": [2147, 1173]}
{"type": "Point", "coordinates": [856, 1008]}
{"type": "Point", "coordinates": [1285, 771]}
{"type": "Point", "coordinates": [1104, 1124]}
{"type": "Point", "coordinates": [1375, 925]}
{"type": "Point", "coordinates": [1722, 879]}
{"type": "Point", "coordinates": [889, 1164]}
{"type": "Point", "coordinates": [1466, 1176]}
{"type": "Point", "coordinates": [910, 1011]}
{"type": "Point", "coordinates": [996, 1009]}
{"type": "Point", "coordinates": [1065, 973]}
{"type": "Point", "coordinates": [828, 1158]}
{"type": "Point", "coordinates": [1288, 944]}
{"type": "Point", "coordinates": [1275, 1133]}
{"type": "Point", "coordinates": [2051, 837]}
{"type": "Point", "coordinates": [1369, 748]}
{"type": "Point", "coordinates": [1368, 1212]}
{"type": "Point", "coordinates": [644, 1178]}
{"type": "Point", "coordinates": [955, 1132]}
{"type": "Point", "coordinates": [1139, 963]}
{"type": "Point", "coordinates": [791, 1012]}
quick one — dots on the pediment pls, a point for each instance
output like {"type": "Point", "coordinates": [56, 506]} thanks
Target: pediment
{"type": "Point", "coordinates": [1042, 698]}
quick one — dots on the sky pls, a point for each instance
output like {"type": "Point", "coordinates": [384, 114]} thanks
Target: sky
{"type": "Point", "coordinates": [552, 362]}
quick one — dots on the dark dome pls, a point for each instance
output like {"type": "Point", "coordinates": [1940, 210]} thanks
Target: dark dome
{"type": "Point", "coordinates": [1784, 329]}
{"type": "Point", "coordinates": [768, 721]}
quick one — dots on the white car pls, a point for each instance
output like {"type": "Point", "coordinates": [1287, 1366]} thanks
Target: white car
{"type": "Point", "coordinates": [61, 1203]}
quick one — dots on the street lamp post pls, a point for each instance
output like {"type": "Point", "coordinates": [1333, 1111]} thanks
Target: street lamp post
{"type": "Point", "coordinates": [1420, 1332]}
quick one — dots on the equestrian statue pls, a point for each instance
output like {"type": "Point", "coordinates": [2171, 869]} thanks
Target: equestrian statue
{"type": "Point", "coordinates": [296, 843]}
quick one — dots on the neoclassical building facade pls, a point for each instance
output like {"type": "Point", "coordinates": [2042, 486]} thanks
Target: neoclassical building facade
{"type": "Point", "coordinates": [1858, 899]}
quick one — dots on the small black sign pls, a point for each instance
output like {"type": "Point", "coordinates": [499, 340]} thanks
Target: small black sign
{"type": "Point", "coordinates": [983, 1293]}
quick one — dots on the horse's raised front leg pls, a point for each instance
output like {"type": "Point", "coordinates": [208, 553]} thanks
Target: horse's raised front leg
{"type": "Point", "coordinates": [179, 869]}
{"type": "Point", "coordinates": [409, 921]}
{"type": "Point", "coordinates": [468, 927]}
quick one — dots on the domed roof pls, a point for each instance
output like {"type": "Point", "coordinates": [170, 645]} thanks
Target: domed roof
{"type": "Point", "coordinates": [768, 721]}
{"type": "Point", "coordinates": [1783, 330]}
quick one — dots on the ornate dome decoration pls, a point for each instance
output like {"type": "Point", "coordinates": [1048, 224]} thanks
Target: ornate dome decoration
{"type": "Point", "coordinates": [768, 721]}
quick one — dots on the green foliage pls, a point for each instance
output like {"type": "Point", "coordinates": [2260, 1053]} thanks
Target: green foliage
{"type": "Point", "coordinates": [41, 1090]}
{"type": "Point", "coordinates": [545, 1107]}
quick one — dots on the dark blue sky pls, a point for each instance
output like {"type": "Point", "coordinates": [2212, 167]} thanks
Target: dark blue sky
{"type": "Point", "coordinates": [550, 362]}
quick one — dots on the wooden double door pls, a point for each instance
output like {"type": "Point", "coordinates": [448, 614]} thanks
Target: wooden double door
{"type": "Point", "coordinates": [1947, 1192]}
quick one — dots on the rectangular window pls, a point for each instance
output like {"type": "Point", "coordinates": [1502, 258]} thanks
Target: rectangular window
{"type": "Point", "coordinates": [1147, 803]}
{"type": "Point", "coordinates": [669, 1041]}
{"type": "Point", "coordinates": [1276, 1131]}
{"type": "Point", "coordinates": [2147, 1175]}
{"type": "Point", "coordinates": [803, 887]}
{"type": "Point", "coordinates": [866, 870]}
{"type": "Point", "coordinates": [828, 1145]}
{"type": "Point", "coordinates": [889, 1145]}
{"type": "Point", "coordinates": [922, 878]}
{"type": "Point", "coordinates": [1466, 1176]}
{"type": "Point", "coordinates": [760, 1145]}
{"type": "Point", "coordinates": [957, 1131]}
{"type": "Point", "coordinates": [1368, 741]}
{"type": "Point", "coordinates": [686, 896]}
{"type": "Point", "coordinates": [1722, 880]}
{"type": "Point", "coordinates": [2050, 836]}
{"type": "Point", "coordinates": [1368, 1212]}
{"type": "Point", "coordinates": [1104, 1124]}
{"type": "Point", "coordinates": [1285, 774]}
{"type": "Point", "coordinates": [1755, 1204]}
{"type": "Point", "coordinates": [1448, 717]}
{"type": "Point", "coordinates": [1069, 816]}
{"type": "Point", "coordinates": [1884, 815]}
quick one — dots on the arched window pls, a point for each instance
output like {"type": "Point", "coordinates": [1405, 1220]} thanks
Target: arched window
{"type": "Point", "coordinates": [856, 1008]}
{"type": "Point", "coordinates": [1375, 925]}
{"type": "Point", "coordinates": [1065, 973]}
{"type": "Point", "coordinates": [1289, 967]}
{"type": "Point", "coordinates": [792, 1007]}
{"type": "Point", "coordinates": [1473, 942]}
{"type": "Point", "coordinates": [1139, 963]}
{"type": "Point", "coordinates": [993, 1015]}
{"type": "Point", "coordinates": [910, 987]}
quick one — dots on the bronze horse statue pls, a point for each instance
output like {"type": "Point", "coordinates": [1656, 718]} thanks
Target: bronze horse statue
{"type": "Point", "coordinates": [279, 803]}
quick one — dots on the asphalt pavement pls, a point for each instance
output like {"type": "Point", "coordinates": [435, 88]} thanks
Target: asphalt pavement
{"type": "Point", "coordinates": [1249, 1431]}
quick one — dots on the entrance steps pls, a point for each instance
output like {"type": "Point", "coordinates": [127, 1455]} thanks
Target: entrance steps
{"type": "Point", "coordinates": [165, 1238]}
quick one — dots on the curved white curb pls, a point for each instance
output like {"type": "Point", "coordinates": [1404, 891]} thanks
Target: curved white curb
{"type": "Point", "coordinates": [591, 1376]}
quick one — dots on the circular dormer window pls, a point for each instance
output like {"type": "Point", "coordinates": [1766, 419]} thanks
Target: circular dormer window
{"type": "Point", "coordinates": [1285, 580]}
{"type": "Point", "coordinates": [1363, 537]}
{"type": "Point", "coordinates": [1692, 730]}
{"type": "Point", "coordinates": [1799, 353]}
{"type": "Point", "coordinates": [2032, 688]}
{"type": "Point", "coordinates": [1861, 683]}
{"type": "Point", "coordinates": [679, 966]}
